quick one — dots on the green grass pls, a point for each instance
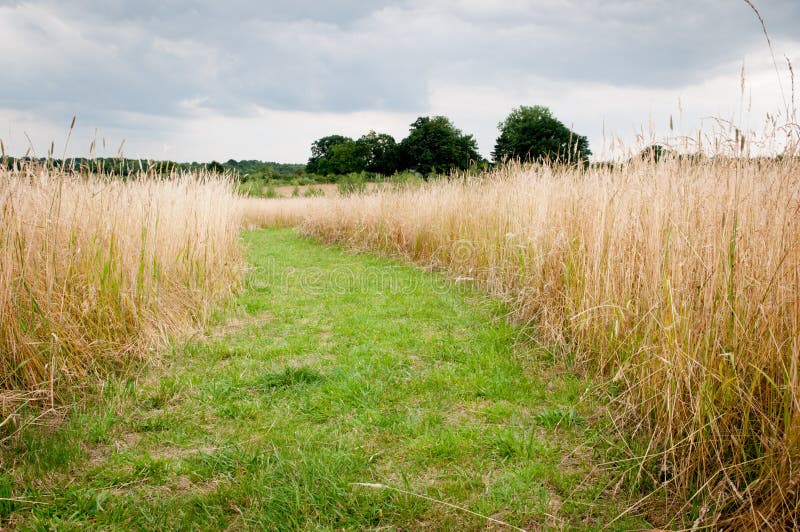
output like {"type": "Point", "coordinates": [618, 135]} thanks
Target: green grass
{"type": "Point", "coordinates": [333, 369]}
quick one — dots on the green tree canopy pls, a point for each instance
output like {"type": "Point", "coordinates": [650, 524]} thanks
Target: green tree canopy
{"type": "Point", "coordinates": [381, 152]}
{"type": "Point", "coordinates": [215, 167]}
{"type": "Point", "coordinates": [344, 158]}
{"type": "Point", "coordinates": [434, 145]}
{"type": "Point", "coordinates": [320, 149]}
{"type": "Point", "coordinates": [533, 133]}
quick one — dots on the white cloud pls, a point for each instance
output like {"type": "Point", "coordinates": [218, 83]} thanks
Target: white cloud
{"type": "Point", "coordinates": [204, 80]}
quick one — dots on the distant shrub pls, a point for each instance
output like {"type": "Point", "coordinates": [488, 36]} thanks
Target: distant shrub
{"type": "Point", "coordinates": [313, 192]}
{"type": "Point", "coordinates": [353, 183]}
{"type": "Point", "coordinates": [407, 177]}
{"type": "Point", "coordinates": [270, 192]}
{"type": "Point", "coordinates": [251, 187]}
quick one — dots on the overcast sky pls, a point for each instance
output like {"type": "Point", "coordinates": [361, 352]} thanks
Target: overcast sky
{"type": "Point", "coordinates": [262, 79]}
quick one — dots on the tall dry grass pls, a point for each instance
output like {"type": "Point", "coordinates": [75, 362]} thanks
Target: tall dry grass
{"type": "Point", "coordinates": [275, 212]}
{"type": "Point", "coordinates": [678, 280]}
{"type": "Point", "coordinates": [97, 272]}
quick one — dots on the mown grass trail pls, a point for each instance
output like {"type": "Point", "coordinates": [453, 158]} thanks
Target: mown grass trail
{"type": "Point", "coordinates": [333, 369]}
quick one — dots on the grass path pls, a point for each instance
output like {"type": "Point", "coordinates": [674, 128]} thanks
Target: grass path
{"type": "Point", "coordinates": [333, 369]}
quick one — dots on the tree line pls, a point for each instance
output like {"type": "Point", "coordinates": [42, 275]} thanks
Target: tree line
{"type": "Point", "coordinates": [124, 167]}
{"type": "Point", "coordinates": [435, 146]}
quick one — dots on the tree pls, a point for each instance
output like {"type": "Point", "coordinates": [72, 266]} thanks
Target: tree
{"type": "Point", "coordinates": [320, 149]}
{"type": "Point", "coordinates": [435, 145]}
{"type": "Point", "coordinates": [382, 155]}
{"type": "Point", "coordinates": [533, 133]}
{"type": "Point", "coordinates": [215, 168]}
{"type": "Point", "coordinates": [344, 158]}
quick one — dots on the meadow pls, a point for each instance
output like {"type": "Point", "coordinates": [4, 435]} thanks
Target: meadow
{"type": "Point", "coordinates": [334, 392]}
{"type": "Point", "coordinates": [675, 281]}
{"type": "Point", "coordinates": [645, 329]}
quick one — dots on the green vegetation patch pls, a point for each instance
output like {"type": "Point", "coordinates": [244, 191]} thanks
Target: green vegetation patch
{"type": "Point", "coordinates": [352, 392]}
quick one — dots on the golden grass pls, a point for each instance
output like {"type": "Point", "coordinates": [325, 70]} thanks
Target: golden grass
{"type": "Point", "coordinates": [96, 272]}
{"type": "Point", "coordinates": [275, 212]}
{"type": "Point", "coordinates": [679, 281]}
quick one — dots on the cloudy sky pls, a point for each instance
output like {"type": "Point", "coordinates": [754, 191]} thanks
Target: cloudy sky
{"type": "Point", "coordinates": [262, 79]}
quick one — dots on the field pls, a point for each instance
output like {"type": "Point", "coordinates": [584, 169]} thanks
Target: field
{"type": "Point", "coordinates": [603, 346]}
{"type": "Point", "coordinates": [329, 375]}
{"type": "Point", "coordinates": [675, 281]}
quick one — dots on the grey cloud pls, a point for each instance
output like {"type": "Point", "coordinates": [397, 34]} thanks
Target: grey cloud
{"type": "Point", "coordinates": [648, 44]}
{"type": "Point", "coordinates": [213, 17]}
{"type": "Point", "coordinates": [169, 58]}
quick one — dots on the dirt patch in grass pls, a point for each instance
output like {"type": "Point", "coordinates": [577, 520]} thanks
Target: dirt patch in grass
{"type": "Point", "coordinates": [175, 453]}
{"type": "Point", "coordinates": [236, 323]}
